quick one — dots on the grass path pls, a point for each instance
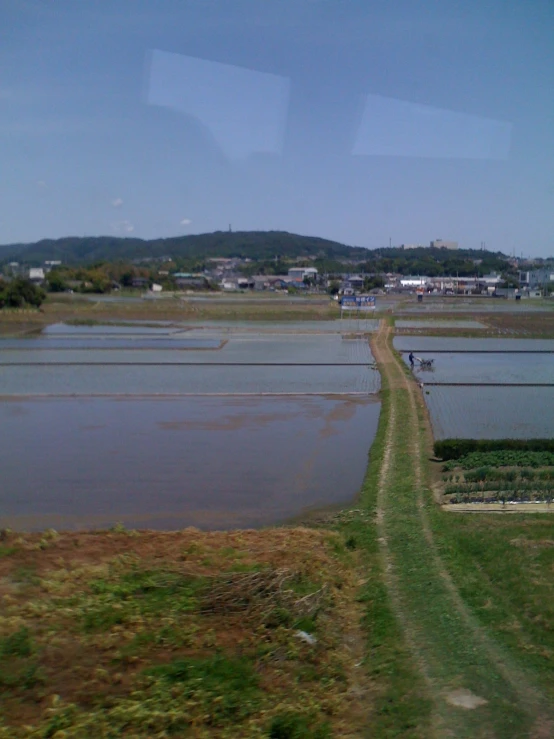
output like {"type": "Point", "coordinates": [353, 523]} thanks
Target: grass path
{"type": "Point", "coordinates": [459, 661]}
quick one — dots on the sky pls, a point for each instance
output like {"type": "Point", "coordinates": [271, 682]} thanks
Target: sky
{"type": "Point", "coordinates": [364, 121]}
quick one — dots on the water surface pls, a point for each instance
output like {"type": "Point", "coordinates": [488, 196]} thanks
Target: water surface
{"type": "Point", "coordinates": [488, 368]}
{"type": "Point", "coordinates": [172, 463]}
{"type": "Point", "coordinates": [66, 329]}
{"type": "Point", "coordinates": [241, 348]}
{"type": "Point", "coordinates": [439, 324]}
{"type": "Point", "coordinates": [168, 379]}
{"type": "Point", "coordinates": [110, 342]}
{"type": "Point", "coordinates": [451, 343]}
{"type": "Point", "coordinates": [491, 412]}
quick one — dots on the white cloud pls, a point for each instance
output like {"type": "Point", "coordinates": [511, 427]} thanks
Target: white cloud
{"type": "Point", "coordinates": [123, 227]}
{"type": "Point", "coordinates": [185, 222]}
{"type": "Point", "coordinates": [117, 202]}
{"type": "Point", "coordinates": [41, 183]}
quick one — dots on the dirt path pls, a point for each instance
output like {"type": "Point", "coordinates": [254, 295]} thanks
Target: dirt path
{"type": "Point", "coordinates": [474, 689]}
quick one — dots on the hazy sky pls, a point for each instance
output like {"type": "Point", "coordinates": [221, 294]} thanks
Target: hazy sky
{"type": "Point", "coordinates": [355, 120]}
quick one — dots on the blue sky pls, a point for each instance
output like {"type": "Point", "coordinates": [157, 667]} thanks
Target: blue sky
{"type": "Point", "coordinates": [355, 121]}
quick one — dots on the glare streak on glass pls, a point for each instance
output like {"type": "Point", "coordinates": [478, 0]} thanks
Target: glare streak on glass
{"type": "Point", "coordinates": [244, 110]}
{"type": "Point", "coordinates": [392, 127]}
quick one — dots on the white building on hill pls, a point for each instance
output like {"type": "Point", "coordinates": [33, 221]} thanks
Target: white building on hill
{"type": "Point", "coordinates": [442, 244]}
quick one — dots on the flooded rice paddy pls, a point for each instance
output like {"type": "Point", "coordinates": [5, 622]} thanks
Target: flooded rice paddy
{"type": "Point", "coordinates": [486, 388]}
{"type": "Point", "coordinates": [237, 428]}
{"type": "Point", "coordinates": [453, 344]}
{"type": "Point", "coordinates": [439, 324]}
{"type": "Point", "coordinates": [123, 341]}
{"type": "Point", "coordinates": [489, 369]}
{"type": "Point", "coordinates": [491, 412]}
{"type": "Point", "coordinates": [168, 379]}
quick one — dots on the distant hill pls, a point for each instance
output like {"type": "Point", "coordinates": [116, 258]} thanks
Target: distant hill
{"type": "Point", "coordinates": [259, 245]}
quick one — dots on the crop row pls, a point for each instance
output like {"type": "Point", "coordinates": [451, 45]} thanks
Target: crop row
{"type": "Point", "coordinates": [492, 473]}
{"type": "Point", "coordinates": [505, 487]}
{"type": "Point", "coordinates": [500, 497]}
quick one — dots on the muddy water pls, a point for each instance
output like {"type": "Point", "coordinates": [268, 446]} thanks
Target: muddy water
{"type": "Point", "coordinates": [484, 411]}
{"type": "Point", "coordinates": [491, 412]}
{"type": "Point", "coordinates": [169, 379]}
{"type": "Point", "coordinates": [488, 368]}
{"type": "Point", "coordinates": [172, 463]}
{"type": "Point", "coordinates": [439, 324]}
{"type": "Point", "coordinates": [455, 344]}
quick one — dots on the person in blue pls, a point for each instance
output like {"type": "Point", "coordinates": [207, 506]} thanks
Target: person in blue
{"type": "Point", "coordinates": [411, 358]}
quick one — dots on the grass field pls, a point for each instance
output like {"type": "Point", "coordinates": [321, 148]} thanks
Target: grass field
{"type": "Point", "coordinates": [238, 634]}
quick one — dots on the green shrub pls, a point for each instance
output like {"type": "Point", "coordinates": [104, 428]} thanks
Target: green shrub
{"type": "Point", "coordinates": [17, 644]}
{"type": "Point", "coordinates": [456, 448]}
{"type": "Point", "coordinates": [295, 726]}
{"type": "Point", "coordinates": [479, 475]}
{"type": "Point", "coordinates": [226, 687]}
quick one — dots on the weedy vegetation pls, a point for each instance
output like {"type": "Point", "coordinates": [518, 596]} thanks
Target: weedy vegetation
{"type": "Point", "coordinates": [253, 633]}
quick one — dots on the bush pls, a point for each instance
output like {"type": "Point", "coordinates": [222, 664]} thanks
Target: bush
{"type": "Point", "coordinates": [19, 293]}
{"type": "Point", "coordinates": [295, 726]}
{"type": "Point", "coordinates": [17, 644]}
{"type": "Point", "coordinates": [456, 448]}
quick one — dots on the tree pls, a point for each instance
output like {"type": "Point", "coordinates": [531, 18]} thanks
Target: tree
{"type": "Point", "coordinates": [20, 292]}
{"type": "Point", "coordinates": [334, 287]}
{"type": "Point", "coordinates": [56, 283]}
{"type": "Point", "coordinates": [373, 282]}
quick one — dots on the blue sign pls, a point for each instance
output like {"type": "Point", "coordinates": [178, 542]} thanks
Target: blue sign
{"type": "Point", "coordinates": [348, 301]}
{"type": "Point", "coordinates": [358, 302]}
{"type": "Point", "coordinates": [365, 301]}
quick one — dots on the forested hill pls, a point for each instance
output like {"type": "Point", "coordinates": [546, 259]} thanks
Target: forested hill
{"type": "Point", "coordinates": [257, 245]}
{"type": "Point", "coordinates": [270, 251]}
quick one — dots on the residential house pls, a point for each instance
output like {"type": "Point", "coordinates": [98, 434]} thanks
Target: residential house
{"type": "Point", "coordinates": [187, 280]}
{"type": "Point", "coordinates": [355, 282]}
{"type": "Point", "coordinates": [140, 283]}
{"type": "Point", "coordinates": [36, 274]}
{"type": "Point", "coordinates": [536, 278]}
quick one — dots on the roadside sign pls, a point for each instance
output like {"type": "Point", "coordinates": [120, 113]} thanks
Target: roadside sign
{"type": "Point", "coordinates": [358, 302]}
